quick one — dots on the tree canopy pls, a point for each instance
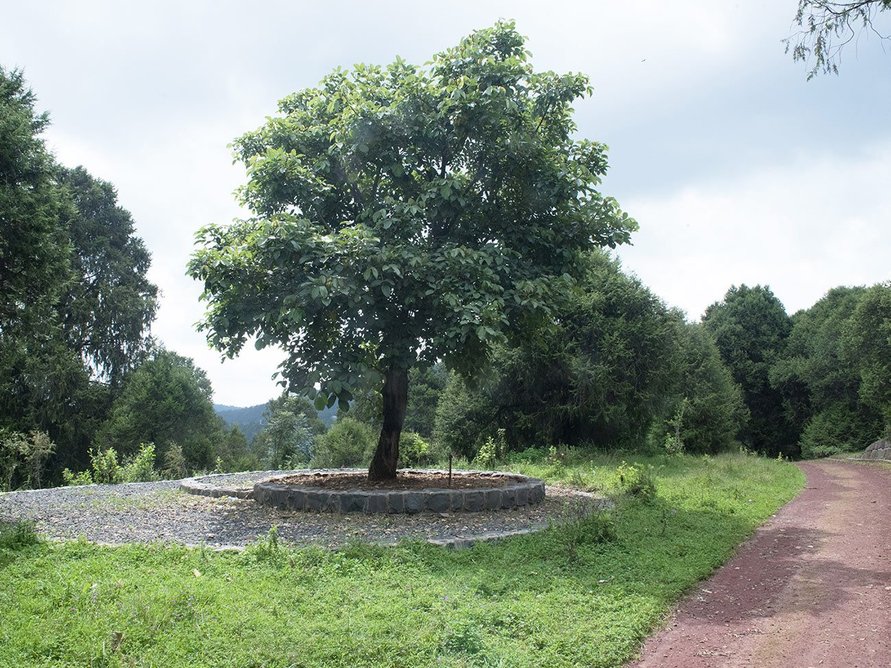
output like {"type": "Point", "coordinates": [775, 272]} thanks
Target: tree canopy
{"type": "Point", "coordinates": [404, 215]}
{"type": "Point", "coordinates": [750, 327]}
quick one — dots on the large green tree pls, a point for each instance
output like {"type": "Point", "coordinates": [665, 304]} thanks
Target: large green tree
{"type": "Point", "coordinates": [165, 401]}
{"type": "Point", "coordinates": [34, 250]}
{"type": "Point", "coordinates": [750, 327]}
{"type": "Point", "coordinates": [109, 304]}
{"type": "Point", "coordinates": [75, 304]}
{"type": "Point", "coordinates": [598, 373]}
{"type": "Point", "coordinates": [404, 215]}
{"type": "Point", "coordinates": [867, 341]}
{"type": "Point", "coordinates": [831, 415]}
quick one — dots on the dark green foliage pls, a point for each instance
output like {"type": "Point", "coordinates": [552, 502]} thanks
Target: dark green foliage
{"type": "Point", "coordinates": [75, 305]}
{"type": "Point", "coordinates": [707, 411]}
{"type": "Point", "coordinates": [598, 373]}
{"type": "Point", "coordinates": [867, 344]}
{"type": "Point", "coordinates": [464, 416]}
{"type": "Point", "coordinates": [426, 385]}
{"type": "Point", "coordinates": [110, 304]}
{"type": "Point", "coordinates": [750, 327]}
{"type": "Point", "coordinates": [287, 439]}
{"type": "Point", "coordinates": [166, 400]}
{"type": "Point", "coordinates": [833, 361]}
{"type": "Point", "coordinates": [34, 251]}
{"type": "Point", "coordinates": [347, 443]}
{"type": "Point", "coordinates": [406, 215]}
{"type": "Point", "coordinates": [839, 428]}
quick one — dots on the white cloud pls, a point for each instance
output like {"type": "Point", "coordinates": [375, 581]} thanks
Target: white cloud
{"type": "Point", "coordinates": [802, 227]}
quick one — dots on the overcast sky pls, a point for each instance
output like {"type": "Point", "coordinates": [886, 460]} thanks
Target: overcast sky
{"type": "Point", "coordinates": [736, 168]}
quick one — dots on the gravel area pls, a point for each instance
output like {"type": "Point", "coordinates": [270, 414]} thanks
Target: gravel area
{"type": "Point", "coordinates": [160, 512]}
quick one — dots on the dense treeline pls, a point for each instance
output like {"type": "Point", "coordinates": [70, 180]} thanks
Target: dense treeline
{"type": "Point", "coordinates": [79, 372]}
{"type": "Point", "coordinates": [87, 395]}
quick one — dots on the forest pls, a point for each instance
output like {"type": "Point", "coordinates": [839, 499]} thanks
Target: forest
{"type": "Point", "coordinates": [89, 396]}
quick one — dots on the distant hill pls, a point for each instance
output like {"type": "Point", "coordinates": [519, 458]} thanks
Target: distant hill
{"type": "Point", "coordinates": [249, 420]}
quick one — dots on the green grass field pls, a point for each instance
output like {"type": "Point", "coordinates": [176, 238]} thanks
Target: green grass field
{"type": "Point", "coordinates": [582, 594]}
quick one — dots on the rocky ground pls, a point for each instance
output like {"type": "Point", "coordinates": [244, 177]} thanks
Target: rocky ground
{"type": "Point", "coordinates": [159, 511]}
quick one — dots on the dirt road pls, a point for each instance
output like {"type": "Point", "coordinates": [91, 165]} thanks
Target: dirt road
{"type": "Point", "coordinates": [812, 587]}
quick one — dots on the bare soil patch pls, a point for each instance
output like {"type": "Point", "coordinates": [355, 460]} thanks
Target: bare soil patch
{"type": "Point", "coordinates": [405, 480]}
{"type": "Point", "coordinates": [812, 587]}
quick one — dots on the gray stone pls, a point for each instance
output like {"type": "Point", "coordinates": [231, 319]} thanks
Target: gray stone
{"type": "Point", "coordinates": [522, 495]}
{"type": "Point", "coordinates": [316, 501]}
{"type": "Point", "coordinates": [352, 502]}
{"type": "Point", "coordinates": [377, 503]}
{"type": "Point", "coordinates": [414, 502]}
{"type": "Point", "coordinates": [493, 499]}
{"type": "Point", "coordinates": [456, 498]}
{"type": "Point", "coordinates": [439, 502]}
{"type": "Point", "coordinates": [509, 497]}
{"type": "Point", "coordinates": [296, 499]}
{"type": "Point", "coordinates": [474, 501]}
{"type": "Point", "coordinates": [396, 502]}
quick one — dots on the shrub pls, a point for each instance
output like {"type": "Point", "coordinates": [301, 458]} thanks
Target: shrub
{"type": "Point", "coordinates": [71, 479]}
{"type": "Point", "coordinates": [16, 535]}
{"type": "Point", "coordinates": [839, 428]}
{"type": "Point", "coordinates": [106, 469]}
{"type": "Point", "coordinates": [413, 450]}
{"type": "Point", "coordinates": [27, 453]}
{"type": "Point", "coordinates": [491, 452]}
{"type": "Point", "coordinates": [141, 468]}
{"type": "Point", "coordinates": [637, 481]}
{"type": "Point", "coordinates": [347, 443]}
{"type": "Point", "coordinates": [175, 462]}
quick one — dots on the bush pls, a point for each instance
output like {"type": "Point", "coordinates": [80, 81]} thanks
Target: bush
{"type": "Point", "coordinates": [637, 481]}
{"type": "Point", "coordinates": [142, 467]}
{"type": "Point", "coordinates": [175, 462]}
{"type": "Point", "coordinates": [16, 535]}
{"type": "Point", "coordinates": [491, 452]}
{"type": "Point", "coordinates": [106, 470]}
{"type": "Point", "coordinates": [837, 429]}
{"type": "Point", "coordinates": [347, 443]}
{"type": "Point", "coordinates": [414, 451]}
{"type": "Point", "coordinates": [71, 479]}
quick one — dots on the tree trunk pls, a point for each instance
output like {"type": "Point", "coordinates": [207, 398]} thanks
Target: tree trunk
{"type": "Point", "coordinates": [395, 395]}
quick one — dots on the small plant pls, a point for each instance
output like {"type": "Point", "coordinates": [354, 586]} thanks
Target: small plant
{"type": "Point", "coordinates": [674, 442]}
{"type": "Point", "coordinates": [142, 467]}
{"type": "Point", "coordinates": [106, 470]}
{"type": "Point", "coordinates": [71, 479]}
{"type": "Point", "coordinates": [175, 462]}
{"type": "Point", "coordinates": [491, 452]}
{"type": "Point", "coordinates": [637, 481]}
{"type": "Point", "coordinates": [267, 547]}
{"type": "Point", "coordinates": [16, 535]}
{"type": "Point", "coordinates": [413, 450]}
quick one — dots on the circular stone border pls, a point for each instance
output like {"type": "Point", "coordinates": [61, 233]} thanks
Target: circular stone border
{"type": "Point", "coordinates": [524, 491]}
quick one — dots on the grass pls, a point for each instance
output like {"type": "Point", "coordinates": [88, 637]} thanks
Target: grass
{"type": "Point", "coordinates": [581, 594]}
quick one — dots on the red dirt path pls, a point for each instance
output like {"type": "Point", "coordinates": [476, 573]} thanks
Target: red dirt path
{"type": "Point", "coordinates": [812, 587]}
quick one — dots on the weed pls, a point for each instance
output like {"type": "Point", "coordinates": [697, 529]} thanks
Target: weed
{"type": "Point", "coordinates": [17, 535]}
{"type": "Point", "coordinates": [637, 480]}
